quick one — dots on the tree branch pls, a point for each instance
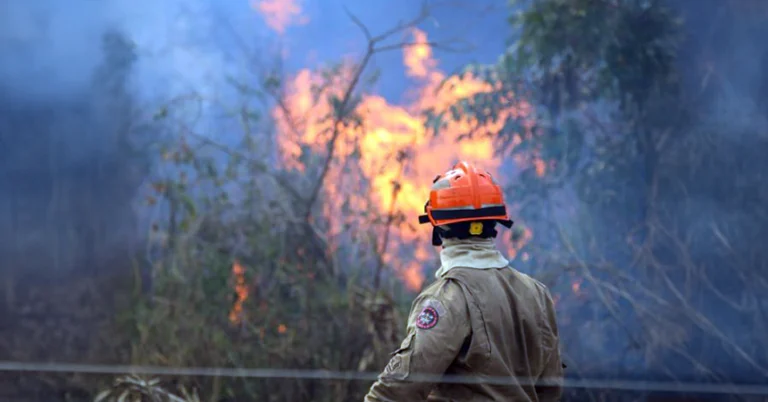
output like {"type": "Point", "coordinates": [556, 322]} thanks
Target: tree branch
{"type": "Point", "coordinates": [346, 98]}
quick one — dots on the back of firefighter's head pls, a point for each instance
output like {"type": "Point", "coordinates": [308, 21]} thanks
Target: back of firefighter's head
{"type": "Point", "coordinates": [469, 230]}
{"type": "Point", "coordinates": [465, 202]}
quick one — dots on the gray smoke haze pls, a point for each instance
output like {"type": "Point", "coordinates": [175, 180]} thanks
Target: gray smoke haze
{"type": "Point", "coordinates": [712, 193]}
{"type": "Point", "coordinates": [71, 83]}
{"type": "Point", "coordinates": [78, 82]}
{"type": "Point", "coordinates": [50, 49]}
{"type": "Point", "coordinates": [67, 173]}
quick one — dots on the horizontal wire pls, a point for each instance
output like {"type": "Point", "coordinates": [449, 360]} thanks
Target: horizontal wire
{"type": "Point", "coordinates": [655, 386]}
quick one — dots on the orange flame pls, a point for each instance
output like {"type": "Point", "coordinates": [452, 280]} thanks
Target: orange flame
{"type": "Point", "coordinates": [418, 58]}
{"type": "Point", "coordinates": [387, 163]}
{"type": "Point", "coordinates": [241, 293]}
{"type": "Point", "coordinates": [279, 14]}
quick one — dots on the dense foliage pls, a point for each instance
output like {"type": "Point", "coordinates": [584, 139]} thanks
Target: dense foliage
{"type": "Point", "coordinates": [663, 214]}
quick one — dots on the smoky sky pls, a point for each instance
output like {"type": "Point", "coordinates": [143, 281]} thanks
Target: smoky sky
{"type": "Point", "coordinates": [63, 174]}
{"type": "Point", "coordinates": [49, 48]}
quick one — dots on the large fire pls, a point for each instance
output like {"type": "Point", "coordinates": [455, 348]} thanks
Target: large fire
{"type": "Point", "coordinates": [385, 165]}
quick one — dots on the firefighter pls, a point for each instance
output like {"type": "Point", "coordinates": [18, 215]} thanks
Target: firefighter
{"type": "Point", "coordinates": [482, 331]}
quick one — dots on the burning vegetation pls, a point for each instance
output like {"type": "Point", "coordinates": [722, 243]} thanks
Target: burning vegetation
{"type": "Point", "coordinates": [241, 292]}
{"type": "Point", "coordinates": [383, 161]}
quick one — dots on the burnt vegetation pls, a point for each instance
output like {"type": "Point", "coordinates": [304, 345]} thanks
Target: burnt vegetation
{"type": "Point", "coordinates": [130, 238]}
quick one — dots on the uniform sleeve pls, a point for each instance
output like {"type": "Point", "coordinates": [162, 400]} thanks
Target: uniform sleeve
{"type": "Point", "coordinates": [437, 328]}
{"type": "Point", "coordinates": [552, 389]}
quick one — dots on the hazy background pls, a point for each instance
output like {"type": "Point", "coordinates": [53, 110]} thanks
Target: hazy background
{"type": "Point", "coordinates": [81, 84]}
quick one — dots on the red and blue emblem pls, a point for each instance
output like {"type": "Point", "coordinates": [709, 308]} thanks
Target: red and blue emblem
{"type": "Point", "coordinates": [427, 318]}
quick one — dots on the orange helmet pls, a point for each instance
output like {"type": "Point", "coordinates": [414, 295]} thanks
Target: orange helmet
{"type": "Point", "coordinates": [464, 194]}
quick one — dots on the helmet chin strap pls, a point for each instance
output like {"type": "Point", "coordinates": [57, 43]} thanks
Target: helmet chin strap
{"type": "Point", "coordinates": [438, 233]}
{"type": "Point", "coordinates": [437, 240]}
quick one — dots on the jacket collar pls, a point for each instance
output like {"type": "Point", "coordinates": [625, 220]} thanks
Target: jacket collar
{"type": "Point", "coordinates": [470, 253]}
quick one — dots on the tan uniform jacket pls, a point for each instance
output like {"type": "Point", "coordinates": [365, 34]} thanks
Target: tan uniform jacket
{"type": "Point", "coordinates": [493, 327]}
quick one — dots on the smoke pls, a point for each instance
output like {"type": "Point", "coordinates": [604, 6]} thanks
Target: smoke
{"type": "Point", "coordinates": [69, 162]}
{"type": "Point", "coordinates": [707, 260]}
{"type": "Point", "coordinates": [79, 83]}
{"type": "Point", "coordinates": [49, 48]}
{"type": "Point", "coordinates": [724, 68]}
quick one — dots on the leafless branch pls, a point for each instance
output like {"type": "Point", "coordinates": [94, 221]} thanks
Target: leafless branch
{"type": "Point", "coordinates": [431, 44]}
{"type": "Point", "coordinates": [346, 98]}
{"type": "Point", "coordinates": [359, 24]}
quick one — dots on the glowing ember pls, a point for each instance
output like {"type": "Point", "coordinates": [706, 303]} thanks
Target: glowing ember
{"type": "Point", "coordinates": [576, 286]}
{"type": "Point", "coordinates": [241, 293]}
{"type": "Point", "coordinates": [387, 164]}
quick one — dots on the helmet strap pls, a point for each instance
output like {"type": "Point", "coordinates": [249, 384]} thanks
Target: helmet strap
{"type": "Point", "coordinates": [437, 240]}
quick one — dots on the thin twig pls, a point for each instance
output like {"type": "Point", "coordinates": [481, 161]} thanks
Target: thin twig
{"type": "Point", "coordinates": [359, 24]}
{"type": "Point", "coordinates": [388, 225]}
{"type": "Point", "coordinates": [258, 164]}
{"type": "Point", "coordinates": [433, 45]}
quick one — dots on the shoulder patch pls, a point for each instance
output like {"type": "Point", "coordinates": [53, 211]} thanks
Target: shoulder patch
{"type": "Point", "coordinates": [428, 318]}
{"type": "Point", "coordinates": [431, 311]}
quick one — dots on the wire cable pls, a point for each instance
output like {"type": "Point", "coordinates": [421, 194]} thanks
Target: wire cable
{"type": "Point", "coordinates": [653, 386]}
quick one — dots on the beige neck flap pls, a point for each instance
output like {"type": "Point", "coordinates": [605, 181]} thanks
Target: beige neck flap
{"type": "Point", "coordinates": [470, 253]}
